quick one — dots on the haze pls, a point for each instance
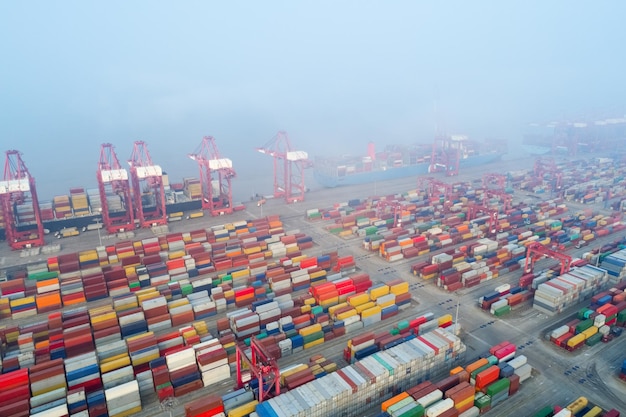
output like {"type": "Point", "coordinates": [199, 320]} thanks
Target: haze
{"type": "Point", "coordinates": [334, 75]}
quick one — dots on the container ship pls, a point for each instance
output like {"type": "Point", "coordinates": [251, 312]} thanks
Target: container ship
{"type": "Point", "coordinates": [571, 138]}
{"type": "Point", "coordinates": [82, 206]}
{"type": "Point", "coordinates": [398, 161]}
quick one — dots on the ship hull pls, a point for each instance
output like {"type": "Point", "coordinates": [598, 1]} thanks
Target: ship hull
{"type": "Point", "coordinates": [330, 181]}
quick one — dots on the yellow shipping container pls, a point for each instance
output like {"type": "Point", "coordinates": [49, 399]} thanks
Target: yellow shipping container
{"type": "Point", "coordinates": [463, 404]}
{"type": "Point", "coordinates": [329, 302]}
{"type": "Point", "coordinates": [114, 364]}
{"type": "Point", "coordinates": [387, 303]}
{"type": "Point", "coordinates": [305, 309]}
{"type": "Point", "coordinates": [594, 412]}
{"type": "Point", "coordinates": [331, 310]}
{"type": "Point", "coordinates": [298, 368]}
{"type": "Point", "coordinates": [444, 319]}
{"type": "Point", "coordinates": [305, 331]}
{"type": "Point", "coordinates": [244, 273]}
{"type": "Point", "coordinates": [125, 254]}
{"type": "Point", "coordinates": [331, 367]}
{"type": "Point", "coordinates": [371, 311]}
{"type": "Point", "coordinates": [398, 289]}
{"type": "Point", "coordinates": [590, 332]}
{"type": "Point", "coordinates": [292, 249]}
{"type": "Point", "coordinates": [313, 343]}
{"type": "Point", "coordinates": [196, 215]}
{"type": "Point", "coordinates": [45, 390]}
{"type": "Point", "coordinates": [146, 359]}
{"type": "Point", "coordinates": [379, 292]}
{"type": "Point", "coordinates": [243, 410]}
{"type": "Point", "coordinates": [577, 406]}
{"type": "Point", "coordinates": [346, 314]}
{"type": "Point", "coordinates": [176, 254]}
{"type": "Point", "coordinates": [252, 250]}
{"type": "Point", "coordinates": [127, 413]}
{"type": "Point", "coordinates": [361, 308]}
{"type": "Point", "coordinates": [317, 274]}
{"type": "Point", "coordinates": [356, 300]}
{"type": "Point", "coordinates": [22, 301]}
{"type": "Point", "coordinates": [103, 317]}
{"type": "Point", "coordinates": [89, 256]}
{"type": "Point", "coordinates": [575, 340]}
{"type": "Point", "coordinates": [177, 303]}
{"type": "Point", "coordinates": [298, 259]}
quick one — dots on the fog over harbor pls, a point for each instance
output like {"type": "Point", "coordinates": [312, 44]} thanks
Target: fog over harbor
{"type": "Point", "coordinates": [334, 75]}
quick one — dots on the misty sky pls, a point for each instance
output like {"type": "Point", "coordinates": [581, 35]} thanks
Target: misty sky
{"type": "Point", "coordinates": [334, 74]}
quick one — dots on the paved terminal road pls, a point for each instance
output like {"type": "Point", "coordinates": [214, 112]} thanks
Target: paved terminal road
{"type": "Point", "coordinates": [559, 377]}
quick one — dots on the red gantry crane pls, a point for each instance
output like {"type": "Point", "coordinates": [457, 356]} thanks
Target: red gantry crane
{"type": "Point", "coordinates": [216, 174]}
{"type": "Point", "coordinates": [148, 189]}
{"type": "Point", "coordinates": [446, 156]}
{"type": "Point", "coordinates": [289, 168]}
{"type": "Point", "coordinates": [536, 251]}
{"type": "Point", "coordinates": [115, 194]}
{"type": "Point", "coordinates": [20, 206]}
{"type": "Point", "coordinates": [262, 366]}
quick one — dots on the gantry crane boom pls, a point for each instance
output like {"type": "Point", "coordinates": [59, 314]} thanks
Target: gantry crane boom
{"type": "Point", "coordinates": [148, 188]}
{"type": "Point", "coordinates": [115, 193]}
{"type": "Point", "coordinates": [216, 174]}
{"type": "Point", "coordinates": [19, 204]}
{"type": "Point", "coordinates": [536, 251]}
{"type": "Point", "coordinates": [289, 168]}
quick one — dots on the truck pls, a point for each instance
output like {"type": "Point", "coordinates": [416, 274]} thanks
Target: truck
{"type": "Point", "coordinates": [67, 232]}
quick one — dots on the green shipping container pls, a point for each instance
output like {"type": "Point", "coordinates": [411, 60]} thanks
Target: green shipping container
{"type": "Point", "coordinates": [42, 276]}
{"type": "Point", "coordinates": [546, 411]}
{"type": "Point", "coordinates": [583, 325]}
{"type": "Point", "coordinates": [312, 337]}
{"type": "Point", "coordinates": [593, 339]}
{"type": "Point", "coordinates": [581, 313]}
{"type": "Point", "coordinates": [501, 311]}
{"type": "Point", "coordinates": [621, 316]}
{"type": "Point", "coordinates": [498, 386]}
{"type": "Point", "coordinates": [186, 289]}
{"type": "Point", "coordinates": [493, 360]}
{"type": "Point", "coordinates": [479, 370]}
{"type": "Point", "coordinates": [416, 411]}
{"type": "Point", "coordinates": [482, 401]}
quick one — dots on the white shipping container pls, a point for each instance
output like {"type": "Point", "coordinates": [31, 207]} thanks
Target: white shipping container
{"type": "Point", "coordinates": [58, 411]}
{"type": "Point", "coordinates": [429, 399]}
{"type": "Point", "coordinates": [439, 408]}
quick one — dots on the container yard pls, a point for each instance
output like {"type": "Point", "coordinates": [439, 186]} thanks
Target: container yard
{"type": "Point", "coordinates": [377, 306]}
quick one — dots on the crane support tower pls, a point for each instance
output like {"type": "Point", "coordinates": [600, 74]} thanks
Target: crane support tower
{"type": "Point", "coordinates": [115, 195]}
{"type": "Point", "coordinates": [494, 181]}
{"type": "Point", "coordinates": [393, 207]}
{"type": "Point", "coordinates": [216, 174]}
{"type": "Point", "coordinates": [474, 210]}
{"type": "Point", "coordinates": [148, 188]}
{"type": "Point", "coordinates": [19, 204]}
{"type": "Point", "coordinates": [289, 168]}
{"type": "Point", "coordinates": [446, 156]}
{"type": "Point", "coordinates": [535, 251]}
{"type": "Point", "coordinates": [262, 366]}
